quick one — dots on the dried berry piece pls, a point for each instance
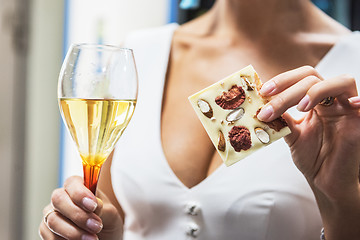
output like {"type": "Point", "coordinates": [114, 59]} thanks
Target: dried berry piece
{"type": "Point", "coordinates": [240, 138]}
{"type": "Point", "coordinates": [276, 124]}
{"type": "Point", "coordinates": [231, 99]}
{"type": "Point", "coordinates": [221, 144]}
{"type": "Point", "coordinates": [235, 115]}
{"type": "Point", "coordinates": [262, 135]}
{"type": "Point", "coordinates": [205, 108]}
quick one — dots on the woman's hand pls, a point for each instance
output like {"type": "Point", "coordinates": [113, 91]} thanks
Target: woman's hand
{"type": "Point", "coordinates": [75, 213]}
{"type": "Point", "coordinates": [325, 143]}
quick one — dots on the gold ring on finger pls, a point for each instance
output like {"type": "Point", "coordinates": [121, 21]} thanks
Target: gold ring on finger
{"type": "Point", "coordinates": [327, 101]}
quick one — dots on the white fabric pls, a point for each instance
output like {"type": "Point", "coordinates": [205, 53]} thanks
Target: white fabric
{"type": "Point", "coordinates": [261, 197]}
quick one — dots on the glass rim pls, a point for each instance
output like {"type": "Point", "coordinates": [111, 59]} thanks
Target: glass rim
{"type": "Point", "coordinates": [108, 47]}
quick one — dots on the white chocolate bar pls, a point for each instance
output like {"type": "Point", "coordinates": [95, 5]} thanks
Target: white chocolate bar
{"type": "Point", "coordinates": [228, 115]}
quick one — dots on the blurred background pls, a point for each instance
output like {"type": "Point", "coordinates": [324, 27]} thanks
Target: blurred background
{"type": "Point", "coordinates": [36, 153]}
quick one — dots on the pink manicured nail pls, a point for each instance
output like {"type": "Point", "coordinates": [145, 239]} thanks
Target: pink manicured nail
{"type": "Point", "coordinates": [88, 237]}
{"type": "Point", "coordinates": [94, 225]}
{"type": "Point", "coordinates": [267, 88]}
{"type": "Point", "coordinates": [355, 101]}
{"type": "Point", "coordinates": [89, 204]}
{"type": "Point", "coordinates": [265, 113]}
{"type": "Point", "coordinates": [303, 104]}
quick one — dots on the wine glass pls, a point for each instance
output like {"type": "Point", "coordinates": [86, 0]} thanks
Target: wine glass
{"type": "Point", "coordinates": [97, 92]}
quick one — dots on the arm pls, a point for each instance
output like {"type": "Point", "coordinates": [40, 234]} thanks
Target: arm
{"type": "Point", "coordinates": [325, 143]}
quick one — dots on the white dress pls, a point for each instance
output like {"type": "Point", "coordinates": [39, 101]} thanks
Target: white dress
{"type": "Point", "coordinates": [263, 197]}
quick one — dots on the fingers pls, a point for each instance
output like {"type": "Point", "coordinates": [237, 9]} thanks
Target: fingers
{"type": "Point", "coordinates": [71, 214]}
{"type": "Point", "coordinates": [63, 204]}
{"type": "Point", "coordinates": [342, 87]}
{"type": "Point", "coordinates": [46, 234]}
{"type": "Point", "coordinates": [100, 206]}
{"type": "Point", "coordinates": [63, 228]}
{"type": "Point", "coordinates": [284, 80]}
{"type": "Point", "coordinates": [44, 230]}
{"type": "Point", "coordinates": [84, 199]}
{"type": "Point", "coordinates": [287, 98]}
{"type": "Point", "coordinates": [59, 228]}
{"type": "Point", "coordinates": [306, 91]}
{"type": "Point", "coordinates": [79, 194]}
{"type": "Point", "coordinates": [355, 101]}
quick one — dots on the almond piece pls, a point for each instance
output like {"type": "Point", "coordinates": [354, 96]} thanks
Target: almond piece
{"type": "Point", "coordinates": [235, 115]}
{"type": "Point", "coordinates": [205, 108]}
{"type": "Point", "coordinates": [249, 86]}
{"type": "Point", "coordinates": [262, 135]}
{"type": "Point", "coordinates": [221, 144]}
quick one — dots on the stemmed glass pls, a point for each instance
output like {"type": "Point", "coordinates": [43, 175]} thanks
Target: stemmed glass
{"type": "Point", "coordinates": [97, 92]}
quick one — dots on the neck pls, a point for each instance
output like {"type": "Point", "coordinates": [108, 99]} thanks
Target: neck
{"type": "Point", "coordinates": [256, 18]}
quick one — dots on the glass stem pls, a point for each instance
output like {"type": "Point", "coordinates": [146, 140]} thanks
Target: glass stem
{"type": "Point", "coordinates": [91, 175]}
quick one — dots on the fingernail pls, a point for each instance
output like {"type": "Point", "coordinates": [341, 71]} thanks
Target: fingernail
{"type": "Point", "coordinates": [265, 113]}
{"type": "Point", "coordinates": [267, 88]}
{"type": "Point", "coordinates": [355, 101]}
{"type": "Point", "coordinates": [303, 104]}
{"type": "Point", "coordinates": [94, 225]}
{"type": "Point", "coordinates": [89, 237]}
{"type": "Point", "coordinates": [89, 204]}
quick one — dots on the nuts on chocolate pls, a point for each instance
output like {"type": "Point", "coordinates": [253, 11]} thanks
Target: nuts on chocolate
{"type": "Point", "coordinates": [262, 135]}
{"type": "Point", "coordinates": [249, 86]}
{"type": "Point", "coordinates": [231, 99]}
{"type": "Point", "coordinates": [205, 108]}
{"type": "Point", "coordinates": [257, 82]}
{"type": "Point", "coordinates": [230, 108]}
{"type": "Point", "coordinates": [240, 138]}
{"type": "Point", "coordinates": [235, 115]}
{"type": "Point", "coordinates": [221, 144]}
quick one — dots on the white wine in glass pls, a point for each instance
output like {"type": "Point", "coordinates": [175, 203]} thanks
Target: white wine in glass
{"type": "Point", "coordinates": [97, 93]}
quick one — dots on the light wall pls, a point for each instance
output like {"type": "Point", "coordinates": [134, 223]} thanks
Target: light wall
{"type": "Point", "coordinates": [118, 18]}
{"type": "Point", "coordinates": [42, 127]}
{"type": "Point", "coordinates": [7, 76]}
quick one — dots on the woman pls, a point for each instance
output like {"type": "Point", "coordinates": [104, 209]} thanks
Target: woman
{"type": "Point", "coordinates": [168, 182]}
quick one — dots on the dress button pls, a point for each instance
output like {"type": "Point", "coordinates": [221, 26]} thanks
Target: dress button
{"type": "Point", "coordinates": [192, 230]}
{"type": "Point", "coordinates": [192, 208]}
